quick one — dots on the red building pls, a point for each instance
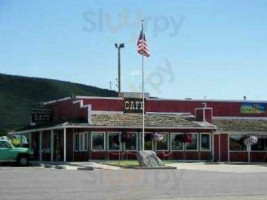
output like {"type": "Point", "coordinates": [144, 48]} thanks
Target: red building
{"type": "Point", "coordinates": [83, 128]}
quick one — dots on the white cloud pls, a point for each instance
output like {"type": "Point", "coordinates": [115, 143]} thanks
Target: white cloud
{"type": "Point", "coordinates": [135, 72]}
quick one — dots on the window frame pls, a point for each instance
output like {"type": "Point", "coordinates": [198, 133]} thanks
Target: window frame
{"type": "Point", "coordinates": [183, 146]}
{"type": "Point", "coordinates": [185, 143]}
{"type": "Point", "coordinates": [120, 143]}
{"type": "Point", "coordinates": [200, 142]}
{"type": "Point", "coordinates": [82, 147]}
{"type": "Point", "coordinates": [94, 133]}
{"type": "Point", "coordinates": [156, 143]}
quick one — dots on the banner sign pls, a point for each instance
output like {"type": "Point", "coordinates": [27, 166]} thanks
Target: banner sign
{"type": "Point", "coordinates": [252, 108]}
{"type": "Point", "coordinates": [42, 114]}
{"type": "Point", "coordinates": [133, 105]}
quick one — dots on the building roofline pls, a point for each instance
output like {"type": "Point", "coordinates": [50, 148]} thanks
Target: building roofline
{"type": "Point", "coordinates": [57, 100]}
{"type": "Point", "coordinates": [96, 97]}
{"type": "Point", "coordinates": [81, 98]}
{"type": "Point", "coordinates": [241, 118]}
{"type": "Point", "coordinates": [160, 99]}
{"type": "Point", "coordinates": [108, 127]}
{"type": "Point", "coordinates": [211, 100]}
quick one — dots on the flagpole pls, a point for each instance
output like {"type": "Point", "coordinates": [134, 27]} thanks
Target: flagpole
{"type": "Point", "coordinates": [143, 87]}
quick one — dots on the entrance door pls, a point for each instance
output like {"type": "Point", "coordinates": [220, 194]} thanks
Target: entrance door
{"type": "Point", "coordinates": [57, 146]}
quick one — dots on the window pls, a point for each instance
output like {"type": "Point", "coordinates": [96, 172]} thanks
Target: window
{"type": "Point", "coordinates": [130, 141]}
{"type": "Point", "coordinates": [114, 141]}
{"type": "Point", "coordinates": [237, 143]}
{"type": "Point", "coordinates": [5, 145]}
{"type": "Point", "coordinates": [81, 141]}
{"type": "Point", "coordinates": [177, 141]}
{"type": "Point", "coordinates": [163, 144]}
{"type": "Point", "coordinates": [261, 144]}
{"type": "Point", "coordinates": [98, 141]}
{"type": "Point", "coordinates": [205, 142]}
{"type": "Point", "coordinates": [193, 144]}
{"type": "Point", "coordinates": [148, 141]}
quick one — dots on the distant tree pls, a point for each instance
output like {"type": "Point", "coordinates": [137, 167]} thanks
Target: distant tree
{"type": "Point", "coordinates": [3, 132]}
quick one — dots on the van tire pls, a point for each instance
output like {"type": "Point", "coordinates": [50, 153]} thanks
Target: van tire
{"type": "Point", "coordinates": [23, 160]}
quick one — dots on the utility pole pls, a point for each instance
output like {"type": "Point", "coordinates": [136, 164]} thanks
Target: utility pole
{"type": "Point", "coordinates": [110, 85]}
{"type": "Point", "coordinates": [119, 46]}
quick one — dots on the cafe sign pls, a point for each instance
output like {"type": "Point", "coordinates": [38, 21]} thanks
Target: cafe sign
{"type": "Point", "coordinates": [133, 105]}
{"type": "Point", "coordinates": [252, 108]}
{"type": "Point", "coordinates": [41, 114]}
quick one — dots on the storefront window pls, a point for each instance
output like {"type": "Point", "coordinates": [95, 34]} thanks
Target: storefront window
{"type": "Point", "coordinates": [192, 145]}
{"type": "Point", "coordinates": [114, 141]}
{"type": "Point", "coordinates": [205, 141]}
{"type": "Point", "coordinates": [177, 141]}
{"type": "Point", "coordinates": [163, 144]}
{"type": "Point", "coordinates": [261, 144]}
{"type": "Point", "coordinates": [98, 141]}
{"type": "Point", "coordinates": [81, 141]}
{"type": "Point", "coordinates": [148, 141]}
{"type": "Point", "coordinates": [237, 143]}
{"type": "Point", "coordinates": [130, 141]}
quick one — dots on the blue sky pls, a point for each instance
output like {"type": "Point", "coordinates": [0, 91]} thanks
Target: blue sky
{"type": "Point", "coordinates": [212, 49]}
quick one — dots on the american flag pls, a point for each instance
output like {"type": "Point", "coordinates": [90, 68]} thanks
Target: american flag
{"type": "Point", "coordinates": [142, 46]}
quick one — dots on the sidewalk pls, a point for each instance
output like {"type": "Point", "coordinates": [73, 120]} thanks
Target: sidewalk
{"type": "Point", "coordinates": [74, 165]}
{"type": "Point", "coordinates": [222, 167]}
{"type": "Point", "coordinates": [202, 166]}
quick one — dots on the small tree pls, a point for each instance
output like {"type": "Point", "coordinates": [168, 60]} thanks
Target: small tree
{"type": "Point", "coordinates": [3, 132]}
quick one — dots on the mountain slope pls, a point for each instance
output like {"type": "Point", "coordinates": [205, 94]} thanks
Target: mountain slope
{"type": "Point", "coordinates": [18, 94]}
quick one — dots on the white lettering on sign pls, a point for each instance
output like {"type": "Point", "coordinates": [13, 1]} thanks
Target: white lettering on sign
{"type": "Point", "coordinates": [132, 105]}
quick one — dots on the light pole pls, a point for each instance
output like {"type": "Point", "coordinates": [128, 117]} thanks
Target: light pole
{"type": "Point", "coordinates": [119, 46]}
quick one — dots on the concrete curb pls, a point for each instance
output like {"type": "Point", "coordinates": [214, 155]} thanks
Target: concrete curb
{"type": "Point", "coordinates": [155, 167]}
{"type": "Point", "coordinates": [49, 166]}
{"type": "Point", "coordinates": [85, 168]}
{"type": "Point", "coordinates": [61, 167]}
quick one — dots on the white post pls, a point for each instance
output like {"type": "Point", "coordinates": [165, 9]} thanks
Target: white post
{"type": "Point", "coordinates": [41, 146]}
{"type": "Point", "coordinates": [220, 147]}
{"type": "Point", "coordinates": [249, 150]}
{"type": "Point", "coordinates": [212, 146]}
{"type": "Point", "coordinates": [52, 146]}
{"type": "Point", "coordinates": [64, 138]}
{"type": "Point", "coordinates": [143, 88]}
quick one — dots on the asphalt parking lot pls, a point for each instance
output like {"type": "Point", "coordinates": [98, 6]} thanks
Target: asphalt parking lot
{"type": "Point", "coordinates": [31, 183]}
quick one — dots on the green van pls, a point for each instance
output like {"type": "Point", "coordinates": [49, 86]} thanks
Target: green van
{"type": "Point", "coordinates": [9, 153]}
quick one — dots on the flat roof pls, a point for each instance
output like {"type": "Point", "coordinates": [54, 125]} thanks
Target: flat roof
{"type": "Point", "coordinates": [159, 99]}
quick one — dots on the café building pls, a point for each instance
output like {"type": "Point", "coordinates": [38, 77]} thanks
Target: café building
{"type": "Point", "coordinates": [82, 128]}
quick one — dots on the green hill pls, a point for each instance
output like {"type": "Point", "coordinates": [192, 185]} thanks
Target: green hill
{"type": "Point", "coordinates": [18, 94]}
